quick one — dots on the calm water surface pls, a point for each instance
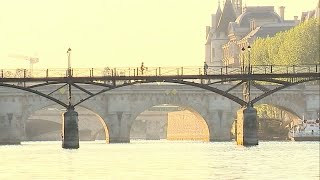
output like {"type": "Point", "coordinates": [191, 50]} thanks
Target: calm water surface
{"type": "Point", "coordinates": [161, 160]}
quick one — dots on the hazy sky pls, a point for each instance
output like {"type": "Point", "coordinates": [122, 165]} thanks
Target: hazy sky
{"type": "Point", "coordinates": [115, 33]}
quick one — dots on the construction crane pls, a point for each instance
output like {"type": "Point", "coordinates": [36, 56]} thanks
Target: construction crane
{"type": "Point", "coordinates": [31, 59]}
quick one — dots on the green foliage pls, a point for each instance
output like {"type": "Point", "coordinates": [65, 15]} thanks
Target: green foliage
{"type": "Point", "coordinates": [299, 45]}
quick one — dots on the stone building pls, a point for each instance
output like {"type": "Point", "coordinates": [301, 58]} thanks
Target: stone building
{"type": "Point", "coordinates": [236, 26]}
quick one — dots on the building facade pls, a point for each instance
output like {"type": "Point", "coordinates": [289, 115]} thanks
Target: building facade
{"type": "Point", "coordinates": [236, 27]}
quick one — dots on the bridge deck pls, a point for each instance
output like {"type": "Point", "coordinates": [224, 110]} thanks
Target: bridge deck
{"type": "Point", "coordinates": [156, 73]}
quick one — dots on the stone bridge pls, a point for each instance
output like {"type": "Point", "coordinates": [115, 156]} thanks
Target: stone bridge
{"type": "Point", "coordinates": [119, 108]}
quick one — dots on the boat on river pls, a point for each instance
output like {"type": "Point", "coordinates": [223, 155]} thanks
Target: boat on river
{"type": "Point", "coordinates": [306, 130]}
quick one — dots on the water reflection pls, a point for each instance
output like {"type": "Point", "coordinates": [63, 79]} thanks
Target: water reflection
{"type": "Point", "coordinates": [161, 160]}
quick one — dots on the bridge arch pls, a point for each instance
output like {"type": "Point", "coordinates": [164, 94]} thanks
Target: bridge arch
{"type": "Point", "coordinates": [42, 130]}
{"type": "Point", "coordinates": [172, 117]}
{"type": "Point", "coordinates": [123, 109]}
{"type": "Point", "coordinates": [34, 104]}
{"type": "Point", "coordinates": [293, 103]}
{"type": "Point", "coordinates": [275, 121]}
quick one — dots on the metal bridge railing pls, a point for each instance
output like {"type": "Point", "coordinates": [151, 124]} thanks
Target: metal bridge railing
{"type": "Point", "coordinates": [158, 71]}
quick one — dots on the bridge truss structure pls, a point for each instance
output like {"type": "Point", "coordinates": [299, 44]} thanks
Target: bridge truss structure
{"type": "Point", "coordinates": [206, 78]}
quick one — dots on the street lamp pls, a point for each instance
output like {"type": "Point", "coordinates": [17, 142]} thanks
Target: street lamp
{"type": "Point", "coordinates": [69, 75]}
{"type": "Point", "coordinates": [243, 50]}
{"type": "Point", "coordinates": [249, 64]}
{"type": "Point", "coordinates": [248, 82]}
{"type": "Point", "coordinates": [69, 53]}
{"type": "Point", "coordinates": [69, 62]}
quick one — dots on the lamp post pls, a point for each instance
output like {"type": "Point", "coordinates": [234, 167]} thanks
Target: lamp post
{"type": "Point", "coordinates": [246, 89]}
{"type": "Point", "coordinates": [69, 76]}
{"type": "Point", "coordinates": [69, 62]}
{"type": "Point", "coordinates": [249, 81]}
{"type": "Point", "coordinates": [249, 63]}
{"type": "Point", "coordinates": [242, 58]}
{"type": "Point", "coordinates": [70, 135]}
{"type": "Point", "coordinates": [247, 125]}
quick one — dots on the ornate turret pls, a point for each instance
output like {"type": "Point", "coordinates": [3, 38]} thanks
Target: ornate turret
{"type": "Point", "coordinates": [237, 5]}
{"type": "Point", "coordinates": [218, 14]}
{"type": "Point", "coordinates": [228, 15]}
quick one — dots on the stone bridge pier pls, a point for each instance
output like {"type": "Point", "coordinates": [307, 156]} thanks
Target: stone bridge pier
{"type": "Point", "coordinates": [219, 123]}
{"type": "Point", "coordinates": [312, 107]}
{"type": "Point", "coordinates": [220, 116]}
{"type": "Point", "coordinates": [119, 125]}
{"type": "Point", "coordinates": [10, 123]}
{"type": "Point", "coordinates": [153, 130]}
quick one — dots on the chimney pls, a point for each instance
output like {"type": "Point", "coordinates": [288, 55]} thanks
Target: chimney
{"type": "Point", "coordinates": [281, 11]}
{"type": "Point", "coordinates": [296, 19]}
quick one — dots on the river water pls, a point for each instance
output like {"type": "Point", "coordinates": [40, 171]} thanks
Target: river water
{"type": "Point", "coordinates": [161, 160]}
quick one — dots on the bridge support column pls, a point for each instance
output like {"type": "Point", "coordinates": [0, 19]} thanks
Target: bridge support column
{"type": "Point", "coordinates": [119, 129]}
{"type": "Point", "coordinates": [247, 126]}
{"type": "Point", "coordinates": [10, 131]}
{"type": "Point", "coordinates": [219, 126]}
{"type": "Point", "coordinates": [70, 138]}
{"type": "Point", "coordinates": [153, 130]}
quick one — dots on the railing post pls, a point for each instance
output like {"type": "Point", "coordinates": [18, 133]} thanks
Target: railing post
{"type": "Point", "coordinates": [137, 72]}
{"type": "Point", "coordinates": [159, 71]}
{"type": "Point", "coordinates": [156, 72]}
{"type": "Point", "coordinates": [293, 69]}
{"type": "Point", "coordinates": [271, 69]}
{"type": "Point", "coordinates": [92, 72]}
{"type": "Point", "coordinates": [316, 68]}
{"type": "Point", "coordinates": [181, 70]}
{"type": "Point", "coordinates": [134, 72]}
{"type": "Point", "coordinates": [2, 73]}
{"type": "Point", "coordinates": [47, 73]}
{"type": "Point", "coordinates": [221, 71]}
{"type": "Point", "coordinates": [226, 69]}
{"type": "Point", "coordinates": [24, 75]}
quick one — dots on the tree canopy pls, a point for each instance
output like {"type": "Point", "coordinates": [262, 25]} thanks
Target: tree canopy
{"type": "Point", "coordinates": [297, 46]}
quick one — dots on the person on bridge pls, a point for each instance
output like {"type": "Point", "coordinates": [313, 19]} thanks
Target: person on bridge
{"type": "Point", "coordinates": [142, 68]}
{"type": "Point", "coordinates": [205, 68]}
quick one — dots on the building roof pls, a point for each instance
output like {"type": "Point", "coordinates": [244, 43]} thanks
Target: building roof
{"type": "Point", "coordinates": [228, 15]}
{"type": "Point", "coordinates": [257, 12]}
{"type": "Point", "coordinates": [269, 30]}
